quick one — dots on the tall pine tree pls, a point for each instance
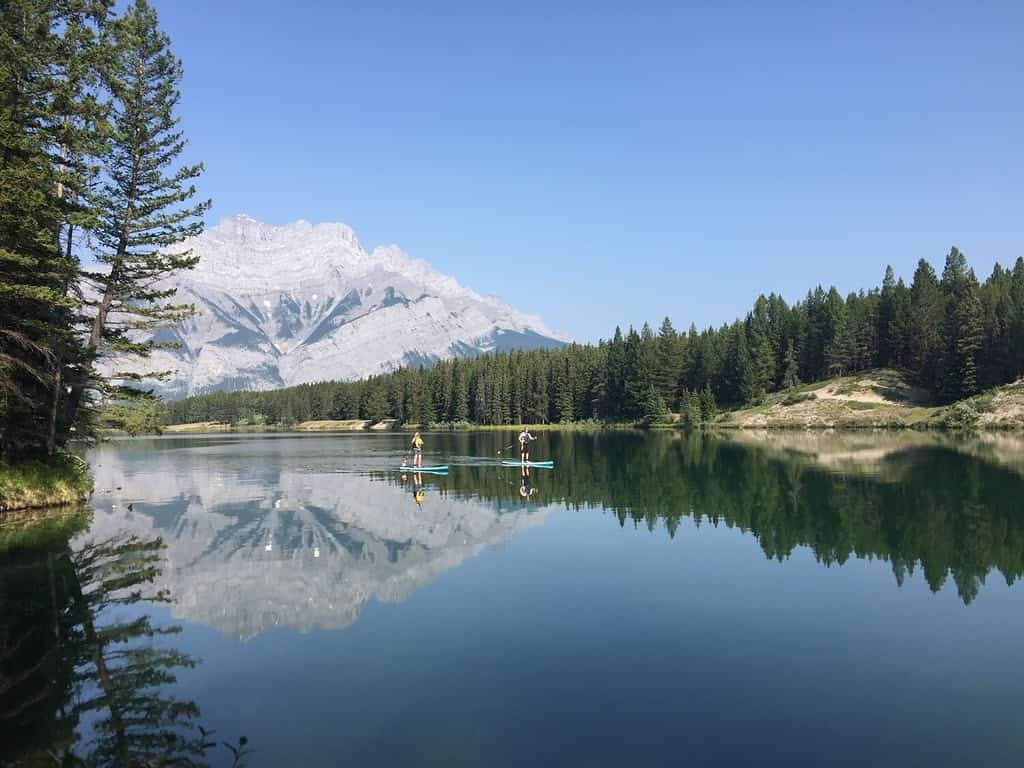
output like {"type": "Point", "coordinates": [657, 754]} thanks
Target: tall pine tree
{"type": "Point", "coordinates": [963, 328]}
{"type": "Point", "coordinates": [145, 208]}
{"type": "Point", "coordinates": [47, 135]}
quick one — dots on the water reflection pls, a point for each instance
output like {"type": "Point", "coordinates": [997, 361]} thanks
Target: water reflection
{"type": "Point", "coordinates": [85, 679]}
{"type": "Point", "coordinates": [286, 540]}
{"type": "Point", "coordinates": [304, 532]}
{"type": "Point", "coordinates": [951, 508]}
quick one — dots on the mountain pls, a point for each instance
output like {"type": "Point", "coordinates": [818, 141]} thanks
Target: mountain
{"type": "Point", "coordinates": [278, 306]}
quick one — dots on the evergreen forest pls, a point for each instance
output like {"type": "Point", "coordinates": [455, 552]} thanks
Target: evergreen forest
{"type": "Point", "coordinates": [953, 335]}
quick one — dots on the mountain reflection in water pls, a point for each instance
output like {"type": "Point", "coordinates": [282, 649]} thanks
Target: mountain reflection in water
{"type": "Point", "coordinates": [281, 543]}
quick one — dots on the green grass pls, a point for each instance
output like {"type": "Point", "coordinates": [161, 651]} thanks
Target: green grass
{"type": "Point", "coordinates": [794, 398]}
{"type": "Point", "coordinates": [857, 405]}
{"type": "Point", "coordinates": [33, 484]}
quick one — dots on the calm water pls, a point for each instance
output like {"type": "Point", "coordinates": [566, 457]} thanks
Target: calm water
{"type": "Point", "coordinates": [653, 600]}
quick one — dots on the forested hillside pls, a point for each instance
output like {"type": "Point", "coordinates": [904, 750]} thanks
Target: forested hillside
{"type": "Point", "coordinates": [954, 335]}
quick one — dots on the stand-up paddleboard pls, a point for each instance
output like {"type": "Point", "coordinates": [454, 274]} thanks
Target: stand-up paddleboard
{"type": "Point", "coordinates": [442, 468]}
{"type": "Point", "coordinates": [542, 464]}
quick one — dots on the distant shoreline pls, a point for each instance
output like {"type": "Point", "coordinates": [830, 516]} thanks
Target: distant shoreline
{"type": "Point", "coordinates": [877, 400]}
{"type": "Point", "coordinates": [368, 425]}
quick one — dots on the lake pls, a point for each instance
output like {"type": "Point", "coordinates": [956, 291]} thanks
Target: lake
{"type": "Point", "coordinates": [655, 599]}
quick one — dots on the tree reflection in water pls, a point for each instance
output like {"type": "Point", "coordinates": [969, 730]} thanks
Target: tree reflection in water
{"type": "Point", "coordinates": [85, 675]}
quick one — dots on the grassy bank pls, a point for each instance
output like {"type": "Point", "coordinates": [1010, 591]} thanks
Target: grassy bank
{"type": "Point", "coordinates": [345, 425]}
{"type": "Point", "coordinates": [882, 399]}
{"type": "Point", "coordinates": [198, 427]}
{"type": "Point", "coordinates": [35, 485]}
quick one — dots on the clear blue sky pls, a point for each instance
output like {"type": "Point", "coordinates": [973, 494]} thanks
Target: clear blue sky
{"type": "Point", "coordinates": [600, 163]}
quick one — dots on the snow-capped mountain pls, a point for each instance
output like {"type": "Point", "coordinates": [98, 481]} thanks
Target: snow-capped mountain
{"type": "Point", "coordinates": [278, 306]}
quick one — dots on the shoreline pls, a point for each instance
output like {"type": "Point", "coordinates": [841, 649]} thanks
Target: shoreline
{"type": "Point", "coordinates": [68, 484]}
{"type": "Point", "coordinates": [366, 425]}
{"type": "Point", "coordinates": [718, 426]}
{"type": "Point", "coordinates": [881, 399]}
{"type": "Point", "coordinates": [33, 485]}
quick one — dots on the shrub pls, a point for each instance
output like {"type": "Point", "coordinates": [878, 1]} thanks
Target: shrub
{"type": "Point", "coordinates": [962, 415]}
{"type": "Point", "coordinates": [793, 398]}
{"type": "Point", "coordinates": [857, 405]}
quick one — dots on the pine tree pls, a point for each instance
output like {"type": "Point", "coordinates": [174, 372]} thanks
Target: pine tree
{"type": "Point", "coordinates": [373, 403]}
{"type": "Point", "coordinates": [668, 363]}
{"type": "Point", "coordinates": [563, 381]}
{"type": "Point", "coordinates": [1015, 330]}
{"type": "Point", "coordinates": [144, 208]}
{"type": "Point", "coordinates": [739, 380]}
{"type": "Point", "coordinates": [689, 405]}
{"type": "Point", "coordinates": [708, 408]}
{"type": "Point", "coordinates": [478, 396]}
{"type": "Point", "coordinates": [790, 376]}
{"type": "Point", "coordinates": [924, 344]}
{"type": "Point", "coordinates": [43, 121]}
{"type": "Point", "coordinates": [615, 381]}
{"type": "Point", "coordinates": [817, 333]}
{"type": "Point", "coordinates": [460, 394]}
{"type": "Point", "coordinates": [840, 347]}
{"type": "Point", "coordinates": [762, 347]}
{"type": "Point", "coordinates": [863, 313]}
{"type": "Point", "coordinates": [80, 134]}
{"type": "Point", "coordinates": [963, 328]}
{"type": "Point", "coordinates": [899, 327]}
{"type": "Point", "coordinates": [654, 408]}
{"type": "Point", "coordinates": [887, 319]}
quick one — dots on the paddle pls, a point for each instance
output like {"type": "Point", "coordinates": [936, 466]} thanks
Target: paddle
{"type": "Point", "coordinates": [515, 443]}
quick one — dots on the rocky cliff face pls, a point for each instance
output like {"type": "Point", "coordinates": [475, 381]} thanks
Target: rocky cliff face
{"type": "Point", "coordinates": [278, 306]}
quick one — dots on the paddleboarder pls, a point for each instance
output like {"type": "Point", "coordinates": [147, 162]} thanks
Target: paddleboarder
{"type": "Point", "coordinates": [417, 450]}
{"type": "Point", "coordinates": [525, 438]}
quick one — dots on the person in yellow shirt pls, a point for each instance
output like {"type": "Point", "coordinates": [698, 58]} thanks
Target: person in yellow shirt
{"type": "Point", "coordinates": [417, 450]}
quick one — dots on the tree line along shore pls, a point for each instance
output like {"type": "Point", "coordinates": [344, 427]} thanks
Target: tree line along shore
{"type": "Point", "coordinates": [943, 351]}
{"type": "Point", "coordinates": [874, 400]}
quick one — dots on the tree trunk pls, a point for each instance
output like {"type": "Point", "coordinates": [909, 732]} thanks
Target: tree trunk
{"type": "Point", "coordinates": [58, 384]}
